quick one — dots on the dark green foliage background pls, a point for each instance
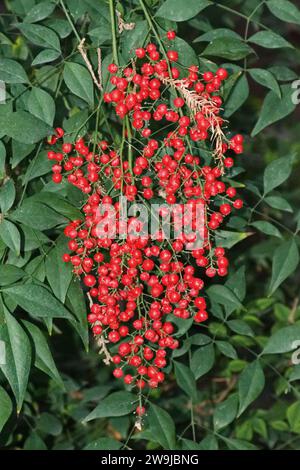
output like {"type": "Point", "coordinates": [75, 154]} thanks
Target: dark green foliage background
{"type": "Point", "coordinates": [232, 384]}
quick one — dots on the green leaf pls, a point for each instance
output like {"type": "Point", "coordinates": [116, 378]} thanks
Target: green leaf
{"type": "Point", "coordinates": [267, 228]}
{"type": "Point", "coordinates": [238, 444]}
{"type": "Point", "coordinates": [37, 216]}
{"type": "Point", "coordinates": [237, 283]}
{"type": "Point", "coordinates": [39, 12]}
{"type": "Point", "coordinates": [43, 356]}
{"type": "Point", "coordinates": [18, 356]}
{"type": "Point", "coordinates": [226, 349]}
{"type": "Point", "coordinates": [102, 34]}
{"type": "Point", "coordinates": [186, 53]}
{"type": "Point", "coordinates": [274, 108]}
{"type": "Point", "coordinates": [279, 425]}
{"type": "Point", "coordinates": [104, 443]}
{"type": "Point", "coordinates": [20, 7]}
{"type": "Point", "coordinates": [293, 417]}
{"type": "Point", "coordinates": [34, 442]}
{"type": "Point", "coordinates": [224, 296]}
{"type": "Point", "coordinates": [57, 203]}
{"type": "Point", "coordinates": [199, 339]}
{"type": "Point", "coordinates": [270, 40]}
{"type": "Point", "coordinates": [228, 239]}
{"type": "Point", "coordinates": [61, 27]}
{"type": "Point", "coordinates": [187, 444]}
{"type": "Point", "coordinates": [10, 274]}
{"type": "Point", "coordinates": [26, 128]}
{"type": "Point", "coordinates": [202, 360]}
{"type": "Point", "coordinates": [45, 56]}
{"type": "Point", "coordinates": [77, 305]}
{"type": "Point", "coordinates": [260, 427]}
{"type": "Point", "coordinates": [284, 10]}
{"type": "Point", "coordinates": [228, 48]}
{"type": "Point", "coordinates": [285, 261]}
{"type": "Point", "coordinates": [225, 412]}
{"type": "Point", "coordinates": [251, 384]}
{"type": "Point", "coordinates": [10, 235]}
{"type": "Point", "coordinates": [19, 152]}
{"type": "Point", "coordinates": [76, 125]}
{"type": "Point", "coordinates": [277, 172]}
{"type": "Point", "coordinates": [283, 340]}
{"type": "Point", "coordinates": [79, 81]}
{"type": "Point", "coordinates": [5, 408]}
{"type": "Point", "coordinates": [36, 268]}
{"type": "Point", "coordinates": [240, 327]}
{"type": "Point", "coordinates": [59, 274]}
{"type": "Point", "coordinates": [161, 427]}
{"type": "Point", "coordinates": [49, 424]}
{"type": "Point", "coordinates": [283, 73]}
{"type": "Point", "coordinates": [116, 404]}
{"type": "Point", "coordinates": [31, 238]}
{"type": "Point", "coordinates": [40, 35]}
{"type": "Point", "coordinates": [186, 380]}
{"type": "Point", "coordinates": [37, 301]}
{"type": "Point", "coordinates": [7, 195]}
{"type": "Point", "coordinates": [209, 443]}
{"type": "Point", "coordinates": [12, 72]}
{"type": "Point", "coordinates": [39, 166]}
{"type": "Point", "coordinates": [245, 430]}
{"type": "Point", "coordinates": [41, 105]}
{"type": "Point", "coordinates": [2, 159]}
{"type": "Point", "coordinates": [279, 203]}
{"type": "Point", "coordinates": [180, 10]}
{"type": "Point", "coordinates": [267, 79]}
{"type": "Point", "coordinates": [237, 96]}
{"type": "Point", "coordinates": [217, 33]}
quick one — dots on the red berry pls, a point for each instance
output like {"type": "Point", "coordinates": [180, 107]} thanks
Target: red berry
{"type": "Point", "coordinates": [112, 68]}
{"type": "Point", "coordinates": [222, 74]}
{"type": "Point", "coordinates": [178, 102]}
{"type": "Point", "coordinates": [171, 35]}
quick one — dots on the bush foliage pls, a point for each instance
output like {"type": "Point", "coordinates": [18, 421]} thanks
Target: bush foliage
{"type": "Point", "coordinates": [233, 383]}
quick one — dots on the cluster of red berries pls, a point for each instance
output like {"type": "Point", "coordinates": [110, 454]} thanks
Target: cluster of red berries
{"type": "Point", "coordinates": [137, 284]}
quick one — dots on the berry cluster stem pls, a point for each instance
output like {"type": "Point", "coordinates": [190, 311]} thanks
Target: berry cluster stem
{"type": "Point", "coordinates": [113, 31]}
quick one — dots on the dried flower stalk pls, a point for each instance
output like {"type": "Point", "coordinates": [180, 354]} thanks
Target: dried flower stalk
{"type": "Point", "coordinates": [101, 342]}
{"type": "Point", "coordinates": [122, 25]}
{"type": "Point", "coordinates": [98, 82]}
{"type": "Point", "coordinates": [198, 103]}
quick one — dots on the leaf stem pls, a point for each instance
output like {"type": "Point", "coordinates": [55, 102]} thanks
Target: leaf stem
{"type": "Point", "coordinates": [70, 20]}
{"type": "Point", "coordinates": [150, 22]}
{"type": "Point", "coordinates": [113, 32]}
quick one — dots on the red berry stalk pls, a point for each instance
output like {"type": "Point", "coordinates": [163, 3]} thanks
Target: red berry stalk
{"type": "Point", "coordinates": [175, 150]}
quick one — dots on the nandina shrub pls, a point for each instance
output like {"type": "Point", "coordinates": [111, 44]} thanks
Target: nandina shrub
{"type": "Point", "coordinates": [135, 115]}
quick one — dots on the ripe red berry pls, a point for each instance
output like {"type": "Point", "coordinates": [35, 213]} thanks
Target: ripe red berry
{"type": "Point", "coordinates": [238, 204]}
{"type": "Point", "coordinates": [172, 56]}
{"type": "Point", "coordinates": [140, 52]}
{"type": "Point", "coordinates": [222, 74]}
{"type": "Point", "coordinates": [112, 68]}
{"type": "Point", "coordinates": [171, 35]}
{"type": "Point", "coordinates": [67, 148]}
{"type": "Point", "coordinates": [178, 102]}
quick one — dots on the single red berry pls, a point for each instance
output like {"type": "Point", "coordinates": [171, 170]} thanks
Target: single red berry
{"type": "Point", "coordinates": [171, 35]}
{"type": "Point", "coordinates": [222, 74]}
{"type": "Point", "coordinates": [112, 68]}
